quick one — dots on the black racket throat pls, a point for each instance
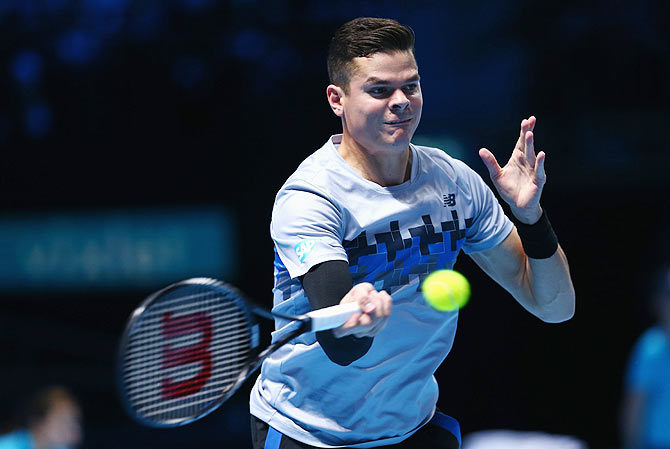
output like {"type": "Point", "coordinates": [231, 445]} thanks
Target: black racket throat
{"type": "Point", "coordinates": [301, 328]}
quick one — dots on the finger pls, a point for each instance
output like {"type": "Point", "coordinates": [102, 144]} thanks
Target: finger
{"type": "Point", "coordinates": [369, 307]}
{"type": "Point", "coordinates": [376, 299]}
{"type": "Point", "coordinates": [522, 133]}
{"type": "Point", "coordinates": [366, 303]}
{"type": "Point", "coordinates": [366, 327]}
{"type": "Point", "coordinates": [531, 122]}
{"type": "Point", "coordinates": [357, 292]}
{"type": "Point", "coordinates": [540, 174]}
{"type": "Point", "coordinates": [352, 321]}
{"type": "Point", "coordinates": [530, 148]}
{"type": "Point", "coordinates": [362, 289]}
{"type": "Point", "coordinates": [360, 293]}
{"type": "Point", "coordinates": [490, 162]}
{"type": "Point", "coordinates": [365, 320]}
{"type": "Point", "coordinates": [385, 304]}
{"type": "Point", "coordinates": [527, 125]}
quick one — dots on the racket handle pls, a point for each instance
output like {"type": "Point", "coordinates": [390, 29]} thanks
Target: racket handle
{"type": "Point", "coordinates": [332, 317]}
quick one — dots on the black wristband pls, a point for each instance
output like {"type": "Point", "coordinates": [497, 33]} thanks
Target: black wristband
{"type": "Point", "coordinates": [539, 240]}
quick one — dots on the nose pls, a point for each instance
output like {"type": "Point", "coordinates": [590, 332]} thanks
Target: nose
{"type": "Point", "coordinates": [399, 101]}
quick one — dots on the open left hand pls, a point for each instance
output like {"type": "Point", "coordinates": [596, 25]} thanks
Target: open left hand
{"type": "Point", "coordinates": [521, 180]}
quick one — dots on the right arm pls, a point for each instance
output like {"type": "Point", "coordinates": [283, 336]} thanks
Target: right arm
{"type": "Point", "coordinates": [329, 283]}
{"type": "Point", "coordinates": [322, 268]}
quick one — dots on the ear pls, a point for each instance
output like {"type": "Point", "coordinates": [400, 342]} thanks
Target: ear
{"type": "Point", "coordinates": [335, 95]}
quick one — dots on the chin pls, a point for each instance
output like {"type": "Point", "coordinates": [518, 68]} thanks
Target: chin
{"type": "Point", "coordinates": [399, 141]}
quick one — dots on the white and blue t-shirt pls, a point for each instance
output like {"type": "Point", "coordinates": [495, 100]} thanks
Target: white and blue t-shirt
{"type": "Point", "coordinates": [392, 237]}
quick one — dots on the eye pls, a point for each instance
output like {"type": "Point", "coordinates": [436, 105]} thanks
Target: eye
{"type": "Point", "coordinates": [378, 91]}
{"type": "Point", "coordinates": [411, 87]}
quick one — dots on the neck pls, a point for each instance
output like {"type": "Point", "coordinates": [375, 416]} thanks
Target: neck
{"type": "Point", "coordinates": [386, 168]}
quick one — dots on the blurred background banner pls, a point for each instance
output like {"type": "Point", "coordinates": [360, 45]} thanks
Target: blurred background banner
{"type": "Point", "coordinates": [119, 250]}
{"type": "Point", "coordinates": [143, 141]}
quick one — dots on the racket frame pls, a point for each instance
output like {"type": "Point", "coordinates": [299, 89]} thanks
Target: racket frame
{"type": "Point", "coordinates": [255, 359]}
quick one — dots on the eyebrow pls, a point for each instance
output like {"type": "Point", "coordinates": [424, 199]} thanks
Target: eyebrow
{"type": "Point", "coordinates": [375, 80]}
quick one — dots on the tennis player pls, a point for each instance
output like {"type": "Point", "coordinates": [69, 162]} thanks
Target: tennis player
{"type": "Point", "coordinates": [365, 218]}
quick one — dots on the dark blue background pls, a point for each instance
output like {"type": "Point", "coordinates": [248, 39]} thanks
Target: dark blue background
{"type": "Point", "coordinates": [112, 104]}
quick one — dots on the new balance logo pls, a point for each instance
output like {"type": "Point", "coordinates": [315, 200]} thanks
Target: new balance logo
{"type": "Point", "coordinates": [449, 200]}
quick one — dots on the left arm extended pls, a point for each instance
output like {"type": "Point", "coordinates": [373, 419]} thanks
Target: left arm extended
{"type": "Point", "coordinates": [541, 285]}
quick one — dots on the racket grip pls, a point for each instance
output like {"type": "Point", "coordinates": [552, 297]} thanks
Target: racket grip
{"type": "Point", "coordinates": [332, 317]}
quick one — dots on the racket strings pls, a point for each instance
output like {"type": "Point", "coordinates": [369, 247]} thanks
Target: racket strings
{"type": "Point", "coordinates": [153, 409]}
{"type": "Point", "coordinates": [185, 352]}
{"type": "Point", "coordinates": [148, 343]}
{"type": "Point", "coordinates": [138, 379]}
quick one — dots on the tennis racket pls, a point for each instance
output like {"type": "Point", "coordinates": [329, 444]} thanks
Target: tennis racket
{"type": "Point", "coordinates": [189, 346]}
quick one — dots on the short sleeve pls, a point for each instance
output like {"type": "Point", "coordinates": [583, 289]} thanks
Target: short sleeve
{"type": "Point", "coordinates": [490, 226]}
{"type": "Point", "coordinates": [306, 229]}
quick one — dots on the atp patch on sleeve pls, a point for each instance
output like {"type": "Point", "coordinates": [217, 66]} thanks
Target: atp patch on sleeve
{"type": "Point", "coordinates": [303, 248]}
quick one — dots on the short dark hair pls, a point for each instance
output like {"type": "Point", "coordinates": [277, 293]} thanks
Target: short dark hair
{"type": "Point", "coordinates": [362, 37]}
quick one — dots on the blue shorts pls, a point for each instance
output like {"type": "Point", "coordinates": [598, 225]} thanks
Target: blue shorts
{"type": "Point", "coordinates": [441, 432]}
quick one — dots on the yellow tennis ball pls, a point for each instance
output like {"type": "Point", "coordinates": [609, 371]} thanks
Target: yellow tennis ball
{"type": "Point", "coordinates": [446, 290]}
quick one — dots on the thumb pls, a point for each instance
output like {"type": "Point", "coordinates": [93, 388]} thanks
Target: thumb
{"type": "Point", "coordinates": [539, 168]}
{"type": "Point", "coordinates": [490, 162]}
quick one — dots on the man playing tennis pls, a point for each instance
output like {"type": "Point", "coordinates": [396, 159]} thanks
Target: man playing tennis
{"type": "Point", "coordinates": [365, 218]}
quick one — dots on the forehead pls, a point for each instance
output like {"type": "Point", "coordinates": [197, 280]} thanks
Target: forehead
{"type": "Point", "coordinates": [385, 67]}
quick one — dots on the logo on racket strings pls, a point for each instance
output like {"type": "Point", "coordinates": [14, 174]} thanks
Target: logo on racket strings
{"type": "Point", "coordinates": [198, 353]}
{"type": "Point", "coordinates": [303, 248]}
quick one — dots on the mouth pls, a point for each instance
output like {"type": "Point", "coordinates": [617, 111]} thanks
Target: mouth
{"type": "Point", "coordinates": [398, 122]}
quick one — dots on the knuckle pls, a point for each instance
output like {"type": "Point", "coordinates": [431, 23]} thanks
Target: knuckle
{"type": "Point", "coordinates": [365, 286]}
